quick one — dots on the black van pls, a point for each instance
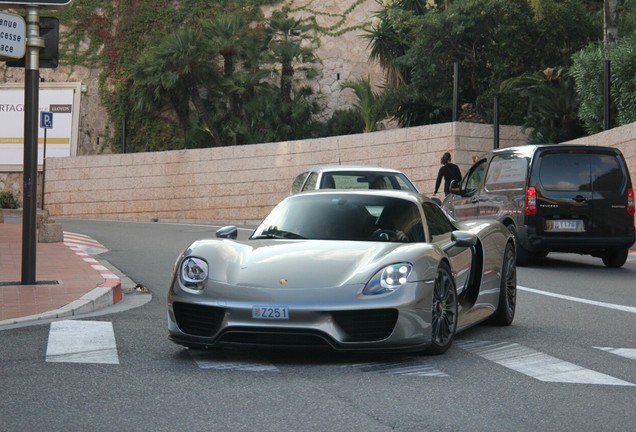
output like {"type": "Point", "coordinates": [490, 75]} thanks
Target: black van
{"type": "Point", "coordinates": [554, 198]}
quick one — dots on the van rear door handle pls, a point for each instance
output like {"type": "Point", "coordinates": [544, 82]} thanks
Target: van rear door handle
{"type": "Point", "coordinates": [579, 198]}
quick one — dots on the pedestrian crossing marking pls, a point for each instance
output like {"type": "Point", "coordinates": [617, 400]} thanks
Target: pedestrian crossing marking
{"type": "Point", "coordinates": [219, 360]}
{"type": "Point", "coordinates": [78, 341]}
{"type": "Point", "coordinates": [83, 243]}
{"type": "Point", "coordinates": [72, 341]}
{"type": "Point", "coordinates": [538, 365]}
{"type": "Point", "coordinates": [406, 368]}
{"type": "Point", "coordinates": [629, 353]}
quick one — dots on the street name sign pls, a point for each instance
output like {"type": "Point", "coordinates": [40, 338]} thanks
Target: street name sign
{"type": "Point", "coordinates": [12, 36]}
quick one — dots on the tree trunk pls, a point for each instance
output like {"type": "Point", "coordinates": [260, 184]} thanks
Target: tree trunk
{"type": "Point", "coordinates": [610, 21]}
{"type": "Point", "coordinates": [202, 112]}
{"type": "Point", "coordinates": [286, 78]}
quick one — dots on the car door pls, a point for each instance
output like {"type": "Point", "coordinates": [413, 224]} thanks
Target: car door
{"type": "Point", "coordinates": [564, 193]}
{"type": "Point", "coordinates": [609, 193]}
{"type": "Point", "coordinates": [465, 203]}
{"type": "Point", "coordinates": [439, 233]}
{"type": "Point", "coordinates": [503, 192]}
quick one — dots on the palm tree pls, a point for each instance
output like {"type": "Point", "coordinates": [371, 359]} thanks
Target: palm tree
{"type": "Point", "coordinates": [169, 73]}
{"type": "Point", "coordinates": [553, 105]}
{"type": "Point", "coordinates": [226, 32]}
{"type": "Point", "coordinates": [292, 47]}
{"type": "Point", "coordinates": [373, 107]}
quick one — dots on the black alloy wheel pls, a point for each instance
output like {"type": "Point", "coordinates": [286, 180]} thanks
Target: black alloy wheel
{"type": "Point", "coordinates": [505, 312]}
{"type": "Point", "coordinates": [444, 319]}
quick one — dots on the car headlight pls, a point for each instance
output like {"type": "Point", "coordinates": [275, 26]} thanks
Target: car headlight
{"type": "Point", "coordinates": [388, 279]}
{"type": "Point", "coordinates": [193, 272]}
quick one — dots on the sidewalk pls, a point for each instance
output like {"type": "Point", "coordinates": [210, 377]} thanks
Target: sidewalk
{"type": "Point", "coordinates": [68, 280]}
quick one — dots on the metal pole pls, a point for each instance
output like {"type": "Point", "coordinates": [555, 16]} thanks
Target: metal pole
{"type": "Point", "coordinates": [455, 90]}
{"type": "Point", "coordinates": [123, 135]}
{"type": "Point", "coordinates": [606, 96]}
{"type": "Point", "coordinates": [43, 166]}
{"type": "Point", "coordinates": [31, 101]}
{"type": "Point", "coordinates": [496, 122]}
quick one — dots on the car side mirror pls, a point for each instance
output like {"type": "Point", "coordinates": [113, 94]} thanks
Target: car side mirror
{"type": "Point", "coordinates": [462, 239]}
{"type": "Point", "coordinates": [454, 187]}
{"type": "Point", "coordinates": [228, 232]}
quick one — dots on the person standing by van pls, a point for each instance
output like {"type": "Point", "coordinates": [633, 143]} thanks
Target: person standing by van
{"type": "Point", "coordinates": [449, 172]}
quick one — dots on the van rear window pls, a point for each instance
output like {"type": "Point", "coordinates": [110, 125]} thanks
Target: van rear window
{"type": "Point", "coordinates": [580, 172]}
{"type": "Point", "coordinates": [607, 174]}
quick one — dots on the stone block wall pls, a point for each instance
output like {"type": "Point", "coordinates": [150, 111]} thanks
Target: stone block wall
{"type": "Point", "coordinates": [242, 183]}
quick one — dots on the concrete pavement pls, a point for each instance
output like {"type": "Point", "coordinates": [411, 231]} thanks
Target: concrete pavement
{"type": "Point", "coordinates": [69, 280]}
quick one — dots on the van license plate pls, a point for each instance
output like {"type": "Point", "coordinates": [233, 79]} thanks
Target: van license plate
{"type": "Point", "coordinates": [565, 225]}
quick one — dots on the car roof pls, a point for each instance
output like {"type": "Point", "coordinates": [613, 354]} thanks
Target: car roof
{"type": "Point", "coordinates": [529, 149]}
{"type": "Point", "coordinates": [362, 168]}
{"type": "Point", "coordinates": [408, 195]}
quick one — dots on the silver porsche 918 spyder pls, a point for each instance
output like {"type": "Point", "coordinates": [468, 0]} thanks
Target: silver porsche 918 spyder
{"type": "Point", "coordinates": [348, 270]}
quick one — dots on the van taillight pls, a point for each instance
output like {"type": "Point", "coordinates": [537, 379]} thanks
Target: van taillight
{"type": "Point", "coordinates": [531, 201]}
{"type": "Point", "coordinates": [630, 202]}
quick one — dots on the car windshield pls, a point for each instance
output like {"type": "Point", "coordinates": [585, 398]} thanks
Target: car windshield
{"type": "Point", "coordinates": [365, 180]}
{"type": "Point", "coordinates": [333, 216]}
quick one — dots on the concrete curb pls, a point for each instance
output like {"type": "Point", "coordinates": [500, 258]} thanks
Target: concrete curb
{"type": "Point", "coordinates": [98, 298]}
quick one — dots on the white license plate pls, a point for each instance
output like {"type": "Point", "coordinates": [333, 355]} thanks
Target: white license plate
{"type": "Point", "coordinates": [575, 225]}
{"type": "Point", "coordinates": [270, 312]}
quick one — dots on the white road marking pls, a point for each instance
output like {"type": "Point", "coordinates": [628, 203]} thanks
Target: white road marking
{"type": "Point", "coordinates": [407, 368]}
{"type": "Point", "coordinates": [623, 308]}
{"type": "Point", "coordinates": [222, 361]}
{"type": "Point", "coordinates": [629, 353]}
{"type": "Point", "coordinates": [83, 243]}
{"type": "Point", "coordinates": [538, 365]}
{"type": "Point", "coordinates": [73, 341]}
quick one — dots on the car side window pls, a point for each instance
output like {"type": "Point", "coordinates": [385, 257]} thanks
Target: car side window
{"type": "Point", "coordinates": [471, 182]}
{"type": "Point", "coordinates": [439, 227]}
{"type": "Point", "coordinates": [298, 182]}
{"type": "Point", "coordinates": [506, 172]}
{"type": "Point", "coordinates": [310, 184]}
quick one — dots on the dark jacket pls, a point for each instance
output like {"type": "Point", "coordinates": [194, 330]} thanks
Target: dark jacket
{"type": "Point", "coordinates": [449, 172]}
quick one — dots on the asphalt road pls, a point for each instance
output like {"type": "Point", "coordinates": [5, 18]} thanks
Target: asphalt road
{"type": "Point", "coordinates": [567, 363]}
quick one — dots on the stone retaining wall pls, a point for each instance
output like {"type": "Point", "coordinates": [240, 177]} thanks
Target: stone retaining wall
{"type": "Point", "coordinates": [242, 183]}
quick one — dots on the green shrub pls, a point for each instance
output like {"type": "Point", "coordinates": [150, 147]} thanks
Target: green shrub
{"type": "Point", "coordinates": [345, 122]}
{"type": "Point", "coordinates": [587, 70]}
{"type": "Point", "coordinates": [8, 201]}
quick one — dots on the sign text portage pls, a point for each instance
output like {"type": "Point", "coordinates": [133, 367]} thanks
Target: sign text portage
{"type": "Point", "coordinates": [12, 36]}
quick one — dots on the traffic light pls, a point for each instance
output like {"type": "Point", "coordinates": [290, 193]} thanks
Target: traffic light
{"type": "Point", "coordinates": [50, 32]}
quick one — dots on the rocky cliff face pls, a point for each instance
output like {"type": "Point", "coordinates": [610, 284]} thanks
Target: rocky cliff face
{"type": "Point", "coordinates": [343, 54]}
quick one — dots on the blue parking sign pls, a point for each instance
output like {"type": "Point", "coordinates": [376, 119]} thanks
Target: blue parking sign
{"type": "Point", "coordinates": [46, 120]}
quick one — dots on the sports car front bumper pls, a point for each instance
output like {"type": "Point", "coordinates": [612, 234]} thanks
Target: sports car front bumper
{"type": "Point", "coordinates": [338, 318]}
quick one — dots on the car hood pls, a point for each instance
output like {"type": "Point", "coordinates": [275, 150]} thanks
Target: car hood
{"type": "Point", "coordinates": [298, 264]}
